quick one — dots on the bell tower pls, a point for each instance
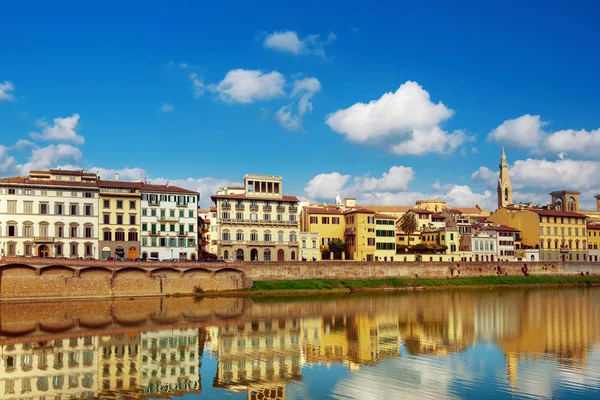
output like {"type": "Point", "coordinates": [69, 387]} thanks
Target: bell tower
{"type": "Point", "coordinates": [504, 185]}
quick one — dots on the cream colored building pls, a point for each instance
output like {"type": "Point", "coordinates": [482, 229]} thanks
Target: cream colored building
{"type": "Point", "coordinates": [310, 250]}
{"type": "Point", "coordinates": [50, 369]}
{"type": "Point", "coordinates": [257, 222]}
{"type": "Point", "coordinates": [50, 213]}
{"type": "Point", "coordinates": [119, 363]}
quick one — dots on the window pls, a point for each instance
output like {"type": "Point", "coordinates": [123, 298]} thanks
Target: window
{"type": "Point", "coordinates": [267, 237]}
{"type": "Point", "coordinates": [132, 205]}
{"type": "Point", "coordinates": [74, 209]}
{"type": "Point", "coordinates": [74, 249]}
{"type": "Point", "coordinates": [88, 209]}
{"type": "Point", "coordinates": [144, 226]}
{"type": "Point", "coordinates": [43, 208]}
{"type": "Point", "coordinates": [58, 209]}
{"type": "Point", "coordinates": [27, 231]}
{"type": "Point", "coordinates": [314, 243]}
{"type": "Point", "coordinates": [253, 217]}
{"type": "Point", "coordinates": [226, 236]}
{"type": "Point", "coordinates": [280, 237]}
{"type": "Point", "coordinates": [107, 236]}
{"type": "Point", "coordinates": [239, 216]}
{"type": "Point", "coordinates": [28, 207]}
{"type": "Point", "coordinates": [254, 237]}
{"type": "Point", "coordinates": [60, 231]}
{"type": "Point", "coordinates": [191, 228]}
{"type": "Point", "coordinates": [120, 236]}
{"type": "Point", "coordinates": [106, 219]}
{"type": "Point", "coordinates": [293, 218]}
{"type": "Point", "coordinates": [12, 206]}
{"type": "Point", "coordinates": [132, 220]}
{"type": "Point", "coordinates": [181, 214]}
{"type": "Point", "coordinates": [191, 214]}
{"type": "Point", "coordinates": [73, 231]}
{"type": "Point", "coordinates": [293, 237]}
{"type": "Point", "coordinates": [88, 232]}
{"type": "Point", "coordinates": [370, 241]}
{"type": "Point", "coordinates": [106, 203]}
{"type": "Point", "coordinates": [120, 204]}
{"type": "Point", "coordinates": [370, 220]}
{"type": "Point", "coordinates": [267, 217]}
{"type": "Point", "coordinates": [239, 236]}
{"type": "Point", "coordinates": [303, 243]}
{"type": "Point", "coordinates": [153, 212]}
{"type": "Point", "coordinates": [12, 191]}
{"type": "Point", "coordinates": [334, 220]}
{"type": "Point", "coordinates": [225, 215]}
{"type": "Point", "coordinates": [314, 220]}
{"type": "Point", "coordinates": [144, 212]}
{"type": "Point", "coordinates": [119, 219]}
{"type": "Point", "coordinates": [132, 236]}
{"type": "Point", "coordinates": [172, 228]}
{"type": "Point", "coordinates": [325, 220]}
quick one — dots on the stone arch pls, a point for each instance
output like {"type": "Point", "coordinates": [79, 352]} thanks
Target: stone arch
{"type": "Point", "coordinates": [130, 271]}
{"type": "Point", "coordinates": [18, 269]}
{"type": "Point", "coordinates": [200, 272]}
{"type": "Point", "coordinates": [92, 322]}
{"type": "Point", "coordinates": [267, 255]}
{"type": "Point", "coordinates": [95, 271]}
{"type": "Point", "coordinates": [239, 255]}
{"type": "Point", "coordinates": [58, 326]}
{"type": "Point", "coordinates": [225, 271]}
{"type": "Point", "coordinates": [166, 271]}
{"type": "Point", "coordinates": [58, 270]}
{"type": "Point", "coordinates": [280, 255]}
{"type": "Point", "coordinates": [254, 255]}
{"type": "Point", "coordinates": [559, 204]}
{"type": "Point", "coordinates": [572, 204]}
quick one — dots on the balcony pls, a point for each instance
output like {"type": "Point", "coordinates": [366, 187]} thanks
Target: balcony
{"type": "Point", "coordinates": [167, 219]}
{"type": "Point", "coordinates": [154, 233]}
{"type": "Point", "coordinates": [181, 204]}
{"type": "Point", "coordinates": [280, 208]}
{"type": "Point", "coordinates": [293, 209]}
{"type": "Point", "coordinates": [43, 239]}
{"type": "Point", "coordinates": [240, 207]}
{"type": "Point", "coordinates": [267, 208]}
{"type": "Point", "coordinates": [233, 221]}
{"type": "Point", "coordinates": [253, 207]}
{"type": "Point", "coordinates": [153, 202]}
{"type": "Point", "coordinates": [225, 205]}
{"type": "Point", "coordinates": [350, 232]}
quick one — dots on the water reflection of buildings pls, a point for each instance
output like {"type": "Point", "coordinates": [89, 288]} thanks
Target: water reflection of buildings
{"type": "Point", "coordinates": [50, 369]}
{"type": "Point", "coordinates": [120, 364]}
{"type": "Point", "coordinates": [258, 356]}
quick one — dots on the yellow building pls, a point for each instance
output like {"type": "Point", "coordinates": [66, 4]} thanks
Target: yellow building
{"type": "Point", "coordinates": [310, 249]}
{"type": "Point", "coordinates": [385, 237]}
{"type": "Point", "coordinates": [559, 235]}
{"type": "Point", "coordinates": [327, 221]}
{"type": "Point", "coordinates": [119, 219]}
{"type": "Point", "coordinates": [360, 234]}
{"type": "Point", "coordinates": [119, 363]}
{"type": "Point", "coordinates": [448, 237]}
{"type": "Point", "coordinates": [594, 242]}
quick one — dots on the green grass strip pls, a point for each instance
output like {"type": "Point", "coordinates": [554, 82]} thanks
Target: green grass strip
{"type": "Point", "coordinates": [336, 284]}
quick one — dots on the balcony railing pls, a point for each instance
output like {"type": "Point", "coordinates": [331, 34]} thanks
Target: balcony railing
{"type": "Point", "coordinates": [261, 243]}
{"type": "Point", "coordinates": [182, 204]}
{"type": "Point", "coordinates": [253, 207]}
{"type": "Point", "coordinates": [154, 233]}
{"type": "Point", "coordinates": [267, 208]}
{"type": "Point", "coordinates": [235, 221]}
{"type": "Point", "coordinates": [167, 219]}
{"type": "Point", "coordinates": [293, 209]}
{"type": "Point", "coordinates": [225, 205]}
{"type": "Point", "coordinates": [280, 208]}
{"type": "Point", "coordinates": [240, 207]}
{"type": "Point", "coordinates": [350, 232]}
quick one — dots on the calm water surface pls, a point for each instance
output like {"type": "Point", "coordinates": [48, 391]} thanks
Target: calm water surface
{"type": "Point", "coordinates": [533, 343]}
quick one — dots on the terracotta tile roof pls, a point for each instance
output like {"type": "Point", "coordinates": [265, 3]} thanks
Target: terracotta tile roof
{"type": "Point", "coordinates": [359, 210]}
{"type": "Point", "coordinates": [383, 216]}
{"type": "Point", "coordinates": [37, 182]}
{"type": "Point", "coordinates": [384, 209]}
{"type": "Point", "coordinates": [244, 196]}
{"type": "Point", "coordinates": [468, 210]}
{"type": "Point", "coordinates": [201, 211]}
{"type": "Point", "coordinates": [319, 210]}
{"type": "Point", "coordinates": [556, 213]}
{"type": "Point", "coordinates": [212, 208]}
{"type": "Point", "coordinates": [119, 184]}
{"type": "Point", "coordinates": [420, 211]}
{"type": "Point", "coordinates": [438, 215]}
{"type": "Point", "coordinates": [147, 187]}
{"type": "Point", "coordinates": [499, 228]}
{"type": "Point", "coordinates": [593, 226]}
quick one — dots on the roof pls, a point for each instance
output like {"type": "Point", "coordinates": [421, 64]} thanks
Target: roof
{"type": "Point", "coordinates": [147, 187]}
{"type": "Point", "coordinates": [499, 228]}
{"type": "Point", "coordinates": [438, 215]}
{"type": "Point", "coordinates": [202, 211]}
{"type": "Point", "coordinates": [420, 211]}
{"type": "Point", "coordinates": [388, 209]}
{"type": "Point", "coordinates": [69, 172]}
{"type": "Point", "coordinates": [320, 210]}
{"type": "Point", "coordinates": [245, 196]}
{"type": "Point", "coordinates": [37, 182]}
{"type": "Point", "coordinates": [556, 213]}
{"type": "Point", "coordinates": [383, 216]}
{"type": "Point", "coordinates": [468, 210]}
{"type": "Point", "coordinates": [119, 184]}
{"type": "Point", "coordinates": [593, 226]}
{"type": "Point", "coordinates": [359, 210]}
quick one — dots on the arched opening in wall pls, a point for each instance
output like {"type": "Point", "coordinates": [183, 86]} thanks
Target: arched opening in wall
{"type": "Point", "coordinates": [132, 253]}
{"type": "Point", "coordinates": [239, 255]}
{"type": "Point", "coordinates": [280, 255]}
{"type": "Point", "coordinates": [532, 258]}
{"type": "Point", "coordinates": [144, 256]}
{"type": "Point", "coordinates": [226, 254]}
{"type": "Point", "coordinates": [267, 255]}
{"type": "Point", "coordinates": [105, 253]}
{"type": "Point", "coordinates": [43, 251]}
{"type": "Point", "coordinates": [254, 255]}
{"type": "Point", "coordinates": [10, 362]}
{"type": "Point", "coordinates": [193, 257]}
{"type": "Point", "coordinates": [492, 258]}
{"type": "Point", "coordinates": [293, 256]}
{"type": "Point", "coordinates": [505, 194]}
{"type": "Point", "coordinates": [572, 204]}
{"type": "Point", "coordinates": [120, 252]}
{"type": "Point", "coordinates": [476, 257]}
{"type": "Point", "coordinates": [564, 258]}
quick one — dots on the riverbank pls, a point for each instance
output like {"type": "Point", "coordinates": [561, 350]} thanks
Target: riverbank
{"type": "Point", "coordinates": [351, 285]}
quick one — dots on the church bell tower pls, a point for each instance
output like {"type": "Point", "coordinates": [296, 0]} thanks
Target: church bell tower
{"type": "Point", "coordinates": [504, 185]}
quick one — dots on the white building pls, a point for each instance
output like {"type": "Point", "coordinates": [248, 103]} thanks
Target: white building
{"type": "Point", "coordinates": [494, 242]}
{"type": "Point", "coordinates": [309, 243]}
{"type": "Point", "coordinates": [49, 214]}
{"type": "Point", "coordinates": [169, 222]}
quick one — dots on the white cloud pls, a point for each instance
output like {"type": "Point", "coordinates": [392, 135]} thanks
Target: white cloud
{"type": "Point", "coordinates": [198, 87]}
{"type": "Point", "coordinates": [324, 186]}
{"type": "Point", "coordinates": [206, 186]}
{"type": "Point", "coordinates": [63, 130]}
{"type": "Point", "coordinates": [246, 86]}
{"type": "Point", "coordinates": [166, 108]}
{"type": "Point", "coordinates": [50, 157]}
{"type": "Point", "coordinates": [524, 132]}
{"type": "Point", "coordinates": [289, 42]}
{"type": "Point", "coordinates": [580, 143]}
{"type": "Point", "coordinates": [397, 178]}
{"type": "Point", "coordinates": [305, 88]}
{"type": "Point", "coordinates": [23, 144]}
{"type": "Point", "coordinates": [405, 122]}
{"type": "Point", "coordinates": [5, 89]}
{"type": "Point", "coordinates": [125, 174]}
{"type": "Point", "coordinates": [7, 162]}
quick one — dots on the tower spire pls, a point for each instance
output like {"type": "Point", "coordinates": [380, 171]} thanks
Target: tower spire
{"type": "Point", "coordinates": [504, 185]}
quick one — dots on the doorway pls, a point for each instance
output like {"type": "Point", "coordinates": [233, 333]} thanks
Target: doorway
{"type": "Point", "coordinates": [280, 255]}
{"type": "Point", "coordinates": [254, 255]}
{"type": "Point", "coordinates": [132, 253]}
{"type": "Point", "coordinates": [43, 251]}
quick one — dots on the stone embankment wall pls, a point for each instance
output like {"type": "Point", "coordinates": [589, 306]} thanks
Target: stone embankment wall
{"type": "Point", "coordinates": [30, 279]}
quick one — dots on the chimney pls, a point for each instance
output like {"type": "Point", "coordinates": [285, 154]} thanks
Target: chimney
{"type": "Point", "coordinates": [117, 177]}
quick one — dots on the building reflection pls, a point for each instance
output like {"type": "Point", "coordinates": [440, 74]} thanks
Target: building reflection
{"type": "Point", "coordinates": [260, 353]}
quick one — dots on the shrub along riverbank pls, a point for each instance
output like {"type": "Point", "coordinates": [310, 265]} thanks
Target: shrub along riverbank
{"type": "Point", "coordinates": [396, 283]}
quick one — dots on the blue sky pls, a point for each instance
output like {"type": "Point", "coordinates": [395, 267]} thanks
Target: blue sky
{"type": "Point", "coordinates": [388, 103]}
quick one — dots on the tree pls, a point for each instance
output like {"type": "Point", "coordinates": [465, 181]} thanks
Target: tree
{"type": "Point", "coordinates": [408, 223]}
{"type": "Point", "coordinates": [337, 247]}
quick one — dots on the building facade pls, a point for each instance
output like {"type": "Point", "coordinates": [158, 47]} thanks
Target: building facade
{"type": "Point", "coordinates": [310, 250]}
{"type": "Point", "coordinates": [257, 222]}
{"type": "Point", "coordinates": [119, 221]}
{"type": "Point", "coordinates": [50, 213]}
{"type": "Point", "coordinates": [594, 242]}
{"type": "Point", "coordinates": [169, 222]}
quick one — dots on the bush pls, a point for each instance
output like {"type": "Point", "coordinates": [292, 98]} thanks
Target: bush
{"type": "Point", "coordinates": [325, 254]}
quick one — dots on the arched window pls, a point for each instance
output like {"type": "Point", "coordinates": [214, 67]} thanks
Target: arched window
{"type": "Point", "coordinates": [492, 246]}
{"type": "Point", "coordinates": [486, 246]}
{"type": "Point", "coordinates": [226, 254]}
{"type": "Point", "coordinates": [477, 246]}
{"type": "Point", "coordinates": [267, 255]}
{"type": "Point", "coordinates": [293, 255]}
{"type": "Point", "coordinates": [577, 243]}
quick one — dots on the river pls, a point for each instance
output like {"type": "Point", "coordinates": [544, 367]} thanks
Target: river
{"type": "Point", "coordinates": [505, 343]}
